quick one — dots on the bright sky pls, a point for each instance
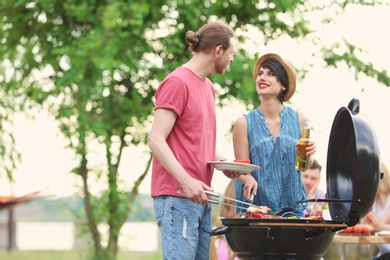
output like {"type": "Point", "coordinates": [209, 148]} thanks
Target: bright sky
{"type": "Point", "coordinates": [319, 96]}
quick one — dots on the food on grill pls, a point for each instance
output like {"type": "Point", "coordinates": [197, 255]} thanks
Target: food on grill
{"type": "Point", "coordinates": [316, 217]}
{"type": "Point", "coordinates": [258, 209]}
{"type": "Point", "coordinates": [259, 212]}
{"type": "Point", "coordinates": [262, 215]}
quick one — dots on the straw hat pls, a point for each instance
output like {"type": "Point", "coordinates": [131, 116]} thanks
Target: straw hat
{"type": "Point", "coordinates": [287, 65]}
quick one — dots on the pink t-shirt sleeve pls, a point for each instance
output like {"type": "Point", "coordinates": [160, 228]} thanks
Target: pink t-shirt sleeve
{"type": "Point", "coordinates": [171, 95]}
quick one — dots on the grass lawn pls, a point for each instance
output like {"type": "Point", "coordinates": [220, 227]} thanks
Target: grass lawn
{"type": "Point", "coordinates": [70, 255]}
{"type": "Point", "coordinates": [352, 252]}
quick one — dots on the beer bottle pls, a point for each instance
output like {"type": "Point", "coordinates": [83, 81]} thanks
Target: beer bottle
{"type": "Point", "coordinates": [302, 159]}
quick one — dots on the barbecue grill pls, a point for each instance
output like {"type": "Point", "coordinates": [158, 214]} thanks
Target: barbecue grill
{"type": "Point", "coordinates": [353, 174]}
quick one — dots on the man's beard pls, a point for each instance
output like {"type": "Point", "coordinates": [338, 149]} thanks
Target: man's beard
{"type": "Point", "coordinates": [220, 67]}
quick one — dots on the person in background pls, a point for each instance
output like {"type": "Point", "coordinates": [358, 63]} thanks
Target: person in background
{"type": "Point", "coordinates": [267, 136]}
{"type": "Point", "coordinates": [222, 250]}
{"type": "Point", "coordinates": [379, 217]}
{"type": "Point", "coordinates": [183, 140]}
{"type": "Point", "coordinates": [311, 179]}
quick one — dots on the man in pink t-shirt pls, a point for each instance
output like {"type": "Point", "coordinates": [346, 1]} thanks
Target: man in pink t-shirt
{"type": "Point", "coordinates": [183, 140]}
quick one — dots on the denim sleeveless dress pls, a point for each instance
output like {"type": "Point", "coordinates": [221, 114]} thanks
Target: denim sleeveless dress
{"type": "Point", "coordinates": [280, 184]}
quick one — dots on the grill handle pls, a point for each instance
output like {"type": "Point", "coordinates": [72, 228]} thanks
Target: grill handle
{"type": "Point", "coordinates": [220, 231]}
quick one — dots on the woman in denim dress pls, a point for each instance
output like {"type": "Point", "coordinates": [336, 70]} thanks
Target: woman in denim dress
{"type": "Point", "coordinates": [267, 136]}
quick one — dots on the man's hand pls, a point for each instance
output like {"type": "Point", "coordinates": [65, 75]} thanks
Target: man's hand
{"type": "Point", "coordinates": [194, 190]}
{"type": "Point", "coordinates": [311, 193]}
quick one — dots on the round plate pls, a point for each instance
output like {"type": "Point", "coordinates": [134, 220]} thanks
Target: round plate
{"type": "Point", "coordinates": [384, 233]}
{"type": "Point", "coordinates": [234, 166]}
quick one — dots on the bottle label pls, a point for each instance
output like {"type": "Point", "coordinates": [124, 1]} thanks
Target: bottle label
{"type": "Point", "coordinates": [302, 159]}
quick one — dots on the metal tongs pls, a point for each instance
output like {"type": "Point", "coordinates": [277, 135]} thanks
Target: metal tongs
{"type": "Point", "coordinates": [321, 200]}
{"type": "Point", "coordinates": [216, 201]}
{"type": "Point", "coordinates": [218, 196]}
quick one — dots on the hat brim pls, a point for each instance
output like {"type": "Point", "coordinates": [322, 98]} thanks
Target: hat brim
{"type": "Point", "coordinates": [287, 65]}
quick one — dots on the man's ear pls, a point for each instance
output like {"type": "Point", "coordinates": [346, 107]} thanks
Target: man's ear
{"type": "Point", "coordinates": [218, 51]}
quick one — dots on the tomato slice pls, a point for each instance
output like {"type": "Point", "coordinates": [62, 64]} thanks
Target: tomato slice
{"type": "Point", "coordinates": [366, 230]}
{"type": "Point", "coordinates": [242, 161]}
{"type": "Point", "coordinates": [357, 229]}
{"type": "Point", "coordinates": [254, 215]}
{"type": "Point", "coordinates": [348, 230]}
{"type": "Point", "coordinates": [258, 215]}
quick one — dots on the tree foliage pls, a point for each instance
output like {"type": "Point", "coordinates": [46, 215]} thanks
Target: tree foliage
{"type": "Point", "coordinates": [95, 65]}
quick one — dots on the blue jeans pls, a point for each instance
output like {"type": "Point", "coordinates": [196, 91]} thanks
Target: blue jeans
{"type": "Point", "coordinates": [184, 226]}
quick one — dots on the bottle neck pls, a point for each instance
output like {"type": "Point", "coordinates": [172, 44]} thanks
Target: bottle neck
{"type": "Point", "coordinates": [305, 133]}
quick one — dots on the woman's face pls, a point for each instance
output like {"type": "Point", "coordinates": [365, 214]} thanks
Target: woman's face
{"type": "Point", "coordinates": [267, 83]}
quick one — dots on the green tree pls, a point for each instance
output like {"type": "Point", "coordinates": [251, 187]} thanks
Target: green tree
{"type": "Point", "coordinates": [94, 65]}
{"type": "Point", "coordinates": [9, 156]}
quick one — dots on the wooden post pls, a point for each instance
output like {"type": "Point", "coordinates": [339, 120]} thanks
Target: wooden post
{"type": "Point", "coordinates": [11, 230]}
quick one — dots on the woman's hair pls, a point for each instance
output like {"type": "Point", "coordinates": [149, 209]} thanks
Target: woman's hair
{"type": "Point", "coordinates": [210, 36]}
{"type": "Point", "coordinates": [384, 185]}
{"type": "Point", "coordinates": [277, 68]}
{"type": "Point", "coordinates": [229, 211]}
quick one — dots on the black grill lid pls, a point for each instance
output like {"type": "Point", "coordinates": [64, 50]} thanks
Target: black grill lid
{"type": "Point", "coordinates": [353, 165]}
